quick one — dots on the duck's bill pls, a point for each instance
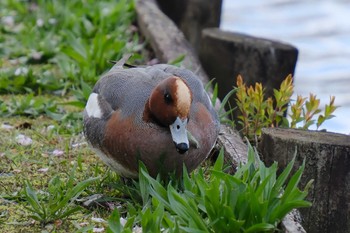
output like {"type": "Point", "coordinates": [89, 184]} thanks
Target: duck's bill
{"type": "Point", "coordinates": [179, 134]}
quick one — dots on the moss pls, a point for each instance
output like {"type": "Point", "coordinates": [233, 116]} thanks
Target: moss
{"type": "Point", "coordinates": [20, 163]}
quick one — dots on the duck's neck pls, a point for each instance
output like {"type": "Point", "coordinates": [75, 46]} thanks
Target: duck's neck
{"type": "Point", "coordinates": [149, 117]}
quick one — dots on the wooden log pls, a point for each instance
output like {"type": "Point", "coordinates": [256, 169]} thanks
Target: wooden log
{"type": "Point", "coordinates": [235, 152]}
{"type": "Point", "coordinates": [192, 16]}
{"type": "Point", "coordinates": [225, 55]}
{"type": "Point", "coordinates": [327, 158]}
{"type": "Point", "coordinates": [167, 41]}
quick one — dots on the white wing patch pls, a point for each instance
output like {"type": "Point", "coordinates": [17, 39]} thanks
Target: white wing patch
{"type": "Point", "coordinates": [92, 106]}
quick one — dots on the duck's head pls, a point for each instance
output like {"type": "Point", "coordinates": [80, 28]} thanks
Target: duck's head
{"type": "Point", "coordinates": [170, 104]}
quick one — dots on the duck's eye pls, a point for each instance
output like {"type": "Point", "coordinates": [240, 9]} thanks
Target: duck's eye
{"type": "Point", "coordinates": [167, 98]}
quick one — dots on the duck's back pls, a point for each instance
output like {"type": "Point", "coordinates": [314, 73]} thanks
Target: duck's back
{"type": "Point", "coordinates": [129, 89]}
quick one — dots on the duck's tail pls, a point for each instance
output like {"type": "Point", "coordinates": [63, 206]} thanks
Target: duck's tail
{"type": "Point", "coordinates": [122, 62]}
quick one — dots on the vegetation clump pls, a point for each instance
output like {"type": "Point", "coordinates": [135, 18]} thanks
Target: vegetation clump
{"type": "Point", "coordinates": [254, 199]}
{"type": "Point", "coordinates": [257, 112]}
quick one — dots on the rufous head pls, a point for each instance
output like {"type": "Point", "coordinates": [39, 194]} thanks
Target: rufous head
{"type": "Point", "coordinates": [170, 104]}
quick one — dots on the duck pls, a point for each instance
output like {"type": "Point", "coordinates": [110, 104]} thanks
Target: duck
{"type": "Point", "coordinates": [160, 115]}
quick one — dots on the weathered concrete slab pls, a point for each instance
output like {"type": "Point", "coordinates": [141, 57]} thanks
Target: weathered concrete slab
{"type": "Point", "coordinates": [327, 158]}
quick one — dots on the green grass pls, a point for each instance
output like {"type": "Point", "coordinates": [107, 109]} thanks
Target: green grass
{"type": "Point", "coordinates": [62, 47]}
{"type": "Point", "coordinates": [51, 54]}
{"type": "Point", "coordinates": [255, 199]}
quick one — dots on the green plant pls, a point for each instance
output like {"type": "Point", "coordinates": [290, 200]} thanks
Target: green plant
{"type": "Point", "coordinates": [222, 112]}
{"type": "Point", "coordinates": [114, 225]}
{"type": "Point", "coordinates": [178, 61]}
{"type": "Point", "coordinates": [257, 112]}
{"type": "Point", "coordinates": [54, 46]}
{"type": "Point", "coordinates": [255, 199]}
{"type": "Point", "coordinates": [57, 202]}
{"type": "Point", "coordinates": [29, 105]}
{"type": "Point", "coordinates": [30, 79]}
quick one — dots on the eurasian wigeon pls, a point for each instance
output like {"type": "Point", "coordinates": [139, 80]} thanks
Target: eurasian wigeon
{"type": "Point", "coordinates": [159, 114]}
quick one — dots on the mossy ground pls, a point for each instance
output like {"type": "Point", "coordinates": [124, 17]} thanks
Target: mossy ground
{"type": "Point", "coordinates": [51, 54]}
{"type": "Point", "coordinates": [49, 154]}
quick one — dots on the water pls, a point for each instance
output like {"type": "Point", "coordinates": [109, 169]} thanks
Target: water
{"type": "Point", "coordinates": [320, 29]}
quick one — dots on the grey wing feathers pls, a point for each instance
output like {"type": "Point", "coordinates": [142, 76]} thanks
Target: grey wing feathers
{"type": "Point", "coordinates": [116, 85]}
{"type": "Point", "coordinates": [117, 88]}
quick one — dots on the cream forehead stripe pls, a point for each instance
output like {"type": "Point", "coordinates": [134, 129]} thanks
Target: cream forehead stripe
{"type": "Point", "coordinates": [183, 95]}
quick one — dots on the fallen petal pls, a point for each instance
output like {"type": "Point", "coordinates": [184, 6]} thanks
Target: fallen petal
{"type": "Point", "coordinates": [137, 229]}
{"type": "Point", "coordinates": [79, 144]}
{"type": "Point", "coordinates": [50, 127]}
{"type": "Point", "coordinates": [40, 22]}
{"type": "Point", "coordinates": [24, 140]}
{"type": "Point", "coordinates": [43, 169]}
{"type": "Point", "coordinates": [123, 221]}
{"type": "Point", "coordinates": [83, 224]}
{"type": "Point", "coordinates": [8, 20]}
{"type": "Point", "coordinates": [7, 126]}
{"type": "Point", "coordinates": [97, 219]}
{"type": "Point", "coordinates": [57, 152]}
{"type": "Point", "coordinates": [96, 229]}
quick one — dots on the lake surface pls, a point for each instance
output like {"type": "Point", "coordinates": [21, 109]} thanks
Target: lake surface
{"type": "Point", "coordinates": [320, 29]}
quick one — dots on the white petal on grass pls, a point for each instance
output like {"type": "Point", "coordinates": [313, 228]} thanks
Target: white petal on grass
{"type": "Point", "coordinates": [21, 70]}
{"type": "Point", "coordinates": [122, 221]}
{"type": "Point", "coordinates": [137, 229]}
{"type": "Point", "coordinates": [43, 170]}
{"type": "Point", "coordinates": [57, 152]}
{"type": "Point", "coordinates": [83, 224]}
{"type": "Point", "coordinates": [98, 229]}
{"type": "Point", "coordinates": [40, 22]}
{"type": "Point", "coordinates": [7, 127]}
{"type": "Point", "coordinates": [8, 20]}
{"type": "Point", "coordinates": [50, 127]}
{"type": "Point", "coordinates": [24, 140]}
{"type": "Point", "coordinates": [79, 144]}
{"type": "Point", "coordinates": [99, 220]}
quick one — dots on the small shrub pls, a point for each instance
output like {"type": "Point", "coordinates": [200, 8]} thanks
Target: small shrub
{"type": "Point", "coordinates": [28, 105]}
{"type": "Point", "coordinates": [57, 202]}
{"type": "Point", "coordinates": [222, 112]}
{"type": "Point", "coordinates": [56, 46]}
{"type": "Point", "coordinates": [255, 199]}
{"type": "Point", "coordinates": [257, 112]}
